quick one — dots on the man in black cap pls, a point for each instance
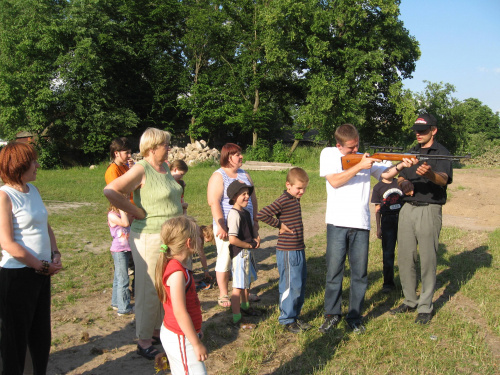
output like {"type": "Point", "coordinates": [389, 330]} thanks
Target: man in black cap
{"type": "Point", "coordinates": [420, 219]}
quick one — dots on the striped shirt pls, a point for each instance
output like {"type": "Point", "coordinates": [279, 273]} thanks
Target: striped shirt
{"type": "Point", "coordinates": [224, 203]}
{"type": "Point", "coordinates": [285, 209]}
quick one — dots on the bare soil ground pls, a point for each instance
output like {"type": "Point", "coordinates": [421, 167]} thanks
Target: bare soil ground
{"type": "Point", "coordinates": [91, 339]}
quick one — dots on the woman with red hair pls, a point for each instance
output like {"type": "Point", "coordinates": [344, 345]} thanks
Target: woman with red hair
{"type": "Point", "coordinates": [231, 161]}
{"type": "Point", "coordinates": [29, 257]}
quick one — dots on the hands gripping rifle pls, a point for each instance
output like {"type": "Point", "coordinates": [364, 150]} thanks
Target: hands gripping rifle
{"type": "Point", "coordinates": [351, 160]}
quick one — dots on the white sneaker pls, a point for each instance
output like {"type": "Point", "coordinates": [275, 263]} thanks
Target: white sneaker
{"type": "Point", "coordinates": [132, 311]}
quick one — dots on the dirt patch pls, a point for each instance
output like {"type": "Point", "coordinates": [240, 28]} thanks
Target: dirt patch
{"type": "Point", "coordinates": [474, 202]}
{"type": "Point", "coordinates": [90, 339]}
{"type": "Point", "coordinates": [58, 206]}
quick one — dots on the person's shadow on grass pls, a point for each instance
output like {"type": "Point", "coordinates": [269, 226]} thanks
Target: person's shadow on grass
{"type": "Point", "coordinates": [318, 352]}
{"type": "Point", "coordinates": [461, 269]}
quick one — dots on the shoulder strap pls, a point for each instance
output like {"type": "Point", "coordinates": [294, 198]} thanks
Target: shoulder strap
{"type": "Point", "coordinates": [188, 285]}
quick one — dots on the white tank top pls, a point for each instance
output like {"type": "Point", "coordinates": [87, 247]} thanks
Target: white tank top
{"type": "Point", "coordinates": [29, 220]}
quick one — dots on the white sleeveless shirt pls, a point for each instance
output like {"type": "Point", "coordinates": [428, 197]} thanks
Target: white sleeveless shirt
{"type": "Point", "coordinates": [30, 224]}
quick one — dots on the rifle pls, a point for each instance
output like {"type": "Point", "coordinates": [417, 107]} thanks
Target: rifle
{"type": "Point", "coordinates": [352, 159]}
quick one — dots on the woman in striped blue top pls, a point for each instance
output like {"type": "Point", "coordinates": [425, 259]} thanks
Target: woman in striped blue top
{"type": "Point", "coordinates": [231, 161]}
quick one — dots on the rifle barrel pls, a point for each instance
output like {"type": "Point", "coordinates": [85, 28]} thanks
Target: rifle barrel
{"type": "Point", "coordinates": [352, 159]}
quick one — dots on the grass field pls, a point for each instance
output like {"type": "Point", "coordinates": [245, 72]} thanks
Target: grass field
{"type": "Point", "coordinates": [464, 337]}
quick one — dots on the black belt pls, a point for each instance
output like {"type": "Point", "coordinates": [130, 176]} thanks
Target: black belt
{"type": "Point", "coordinates": [418, 204]}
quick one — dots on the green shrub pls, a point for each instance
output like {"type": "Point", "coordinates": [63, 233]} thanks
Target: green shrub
{"type": "Point", "coordinates": [278, 153]}
{"type": "Point", "coordinates": [281, 153]}
{"type": "Point", "coordinates": [479, 144]}
{"type": "Point", "coordinates": [259, 152]}
{"type": "Point", "coordinates": [48, 154]}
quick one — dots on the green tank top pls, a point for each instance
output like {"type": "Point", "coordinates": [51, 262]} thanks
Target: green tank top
{"type": "Point", "coordinates": [160, 198]}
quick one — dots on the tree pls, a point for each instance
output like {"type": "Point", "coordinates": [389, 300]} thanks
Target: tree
{"type": "Point", "coordinates": [358, 53]}
{"type": "Point", "coordinates": [437, 100]}
{"type": "Point", "coordinates": [479, 118]}
{"type": "Point", "coordinates": [121, 70]}
{"type": "Point", "coordinates": [260, 78]}
{"type": "Point", "coordinates": [204, 41]}
{"type": "Point", "coordinates": [85, 71]}
{"type": "Point", "coordinates": [30, 43]}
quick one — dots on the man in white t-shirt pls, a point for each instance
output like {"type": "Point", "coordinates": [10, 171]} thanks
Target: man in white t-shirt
{"type": "Point", "coordinates": [348, 223]}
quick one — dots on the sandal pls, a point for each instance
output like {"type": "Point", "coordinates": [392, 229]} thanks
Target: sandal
{"type": "Point", "coordinates": [224, 301]}
{"type": "Point", "coordinates": [149, 353]}
{"type": "Point", "coordinates": [247, 326]}
{"type": "Point", "coordinates": [156, 340]}
{"type": "Point", "coordinates": [253, 297]}
{"type": "Point", "coordinates": [251, 312]}
{"type": "Point", "coordinates": [243, 325]}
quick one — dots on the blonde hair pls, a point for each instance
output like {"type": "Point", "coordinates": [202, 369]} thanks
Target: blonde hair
{"type": "Point", "coordinates": [113, 208]}
{"type": "Point", "coordinates": [174, 234]}
{"type": "Point", "coordinates": [152, 138]}
{"type": "Point", "coordinates": [297, 174]}
{"type": "Point", "coordinates": [207, 231]}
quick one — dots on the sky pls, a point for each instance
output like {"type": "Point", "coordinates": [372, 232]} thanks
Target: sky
{"type": "Point", "coordinates": [459, 44]}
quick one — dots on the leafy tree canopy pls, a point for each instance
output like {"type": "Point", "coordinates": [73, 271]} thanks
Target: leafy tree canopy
{"type": "Point", "coordinates": [80, 72]}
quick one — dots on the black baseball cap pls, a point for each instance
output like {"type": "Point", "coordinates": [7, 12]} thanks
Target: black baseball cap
{"type": "Point", "coordinates": [424, 122]}
{"type": "Point", "coordinates": [234, 188]}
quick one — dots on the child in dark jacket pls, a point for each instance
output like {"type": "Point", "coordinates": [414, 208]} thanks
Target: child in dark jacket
{"type": "Point", "coordinates": [388, 199]}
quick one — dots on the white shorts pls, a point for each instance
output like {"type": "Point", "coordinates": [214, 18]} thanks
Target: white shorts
{"type": "Point", "coordinates": [244, 270]}
{"type": "Point", "coordinates": [223, 263]}
{"type": "Point", "coordinates": [180, 354]}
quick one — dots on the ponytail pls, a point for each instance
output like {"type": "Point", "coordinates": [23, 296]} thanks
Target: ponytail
{"type": "Point", "coordinates": [161, 265]}
{"type": "Point", "coordinates": [174, 235]}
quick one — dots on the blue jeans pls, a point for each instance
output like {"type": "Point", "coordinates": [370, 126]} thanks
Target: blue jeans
{"type": "Point", "coordinates": [389, 226]}
{"type": "Point", "coordinates": [340, 242]}
{"type": "Point", "coordinates": [292, 284]}
{"type": "Point", "coordinates": [121, 294]}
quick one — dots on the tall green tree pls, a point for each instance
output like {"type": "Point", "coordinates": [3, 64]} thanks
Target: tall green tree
{"type": "Point", "coordinates": [89, 70]}
{"type": "Point", "coordinates": [205, 39]}
{"type": "Point", "coordinates": [479, 118]}
{"type": "Point", "coordinates": [121, 71]}
{"type": "Point", "coordinates": [358, 53]}
{"type": "Point", "coordinates": [260, 78]}
{"type": "Point", "coordinates": [30, 43]}
{"type": "Point", "coordinates": [438, 100]}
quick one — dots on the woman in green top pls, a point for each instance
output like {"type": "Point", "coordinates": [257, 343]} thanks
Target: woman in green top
{"type": "Point", "coordinates": [157, 198]}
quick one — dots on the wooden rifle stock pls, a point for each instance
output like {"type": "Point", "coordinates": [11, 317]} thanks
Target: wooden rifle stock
{"type": "Point", "coordinates": [351, 160]}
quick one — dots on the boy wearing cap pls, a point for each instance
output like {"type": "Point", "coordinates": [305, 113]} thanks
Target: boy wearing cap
{"type": "Point", "coordinates": [285, 213]}
{"type": "Point", "coordinates": [424, 185]}
{"type": "Point", "coordinates": [241, 240]}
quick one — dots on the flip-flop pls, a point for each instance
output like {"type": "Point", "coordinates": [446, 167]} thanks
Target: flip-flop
{"type": "Point", "coordinates": [253, 297]}
{"type": "Point", "coordinates": [224, 300]}
{"type": "Point", "coordinates": [149, 353]}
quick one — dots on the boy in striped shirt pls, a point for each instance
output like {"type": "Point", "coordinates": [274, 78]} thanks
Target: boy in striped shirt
{"type": "Point", "coordinates": [285, 213]}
